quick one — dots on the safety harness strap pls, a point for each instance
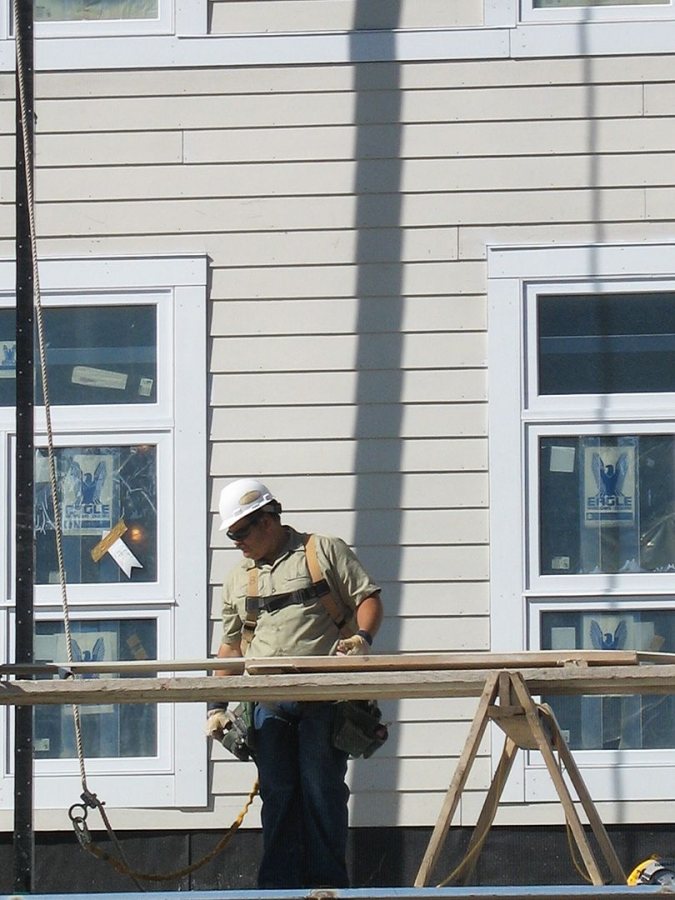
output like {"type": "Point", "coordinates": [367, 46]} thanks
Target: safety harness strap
{"type": "Point", "coordinates": [251, 619]}
{"type": "Point", "coordinates": [334, 609]}
{"type": "Point", "coordinates": [319, 589]}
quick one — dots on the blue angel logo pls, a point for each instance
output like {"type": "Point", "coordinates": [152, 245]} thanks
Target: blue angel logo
{"type": "Point", "coordinates": [609, 478]}
{"type": "Point", "coordinates": [605, 640]}
{"type": "Point", "coordinates": [88, 485]}
{"type": "Point", "coordinates": [96, 654]}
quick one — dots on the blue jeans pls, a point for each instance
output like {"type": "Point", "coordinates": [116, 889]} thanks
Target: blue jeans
{"type": "Point", "coordinates": [304, 795]}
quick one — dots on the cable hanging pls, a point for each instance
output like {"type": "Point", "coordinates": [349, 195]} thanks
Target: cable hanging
{"type": "Point", "coordinates": [88, 798]}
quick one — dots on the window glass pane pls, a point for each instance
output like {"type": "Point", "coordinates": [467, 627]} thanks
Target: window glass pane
{"type": "Point", "coordinates": [78, 10]}
{"type": "Point", "coordinates": [607, 504]}
{"type": "Point", "coordinates": [558, 4]}
{"type": "Point", "coordinates": [108, 730]}
{"type": "Point", "coordinates": [96, 355]}
{"type": "Point", "coordinates": [7, 357]}
{"type": "Point", "coordinates": [606, 343]}
{"type": "Point", "coordinates": [98, 488]}
{"type": "Point", "coordinates": [613, 723]}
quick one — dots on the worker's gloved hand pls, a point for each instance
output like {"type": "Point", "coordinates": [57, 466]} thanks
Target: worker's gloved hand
{"type": "Point", "coordinates": [217, 723]}
{"type": "Point", "coordinates": [356, 645]}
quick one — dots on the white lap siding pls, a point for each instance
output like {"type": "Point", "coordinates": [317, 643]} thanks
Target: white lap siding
{"type": "Point", "coordinates": [345, 210]}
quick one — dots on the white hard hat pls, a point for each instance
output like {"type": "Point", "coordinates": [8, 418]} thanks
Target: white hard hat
{"type": "Point", "coordinates": [240, 498]}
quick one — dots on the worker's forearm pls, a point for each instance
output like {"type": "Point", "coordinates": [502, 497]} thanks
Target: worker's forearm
{"type": "Point", "coordinates": [369, 614]}
{"type": "Point", "coordinates": [227, 651]}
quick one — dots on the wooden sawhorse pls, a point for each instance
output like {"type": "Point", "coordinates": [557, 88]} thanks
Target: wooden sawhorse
{"type": "Point", "coordinates": [527, 726]}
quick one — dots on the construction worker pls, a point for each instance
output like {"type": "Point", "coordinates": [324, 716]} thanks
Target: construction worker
{"type": "Point", "coordinates": [272, 606]}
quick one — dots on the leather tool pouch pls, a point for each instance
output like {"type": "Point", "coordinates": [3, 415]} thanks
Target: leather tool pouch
{"type": "Point", "coordinates": [238, 738]}
{"type": "Point", "coordinates": [358, 729]}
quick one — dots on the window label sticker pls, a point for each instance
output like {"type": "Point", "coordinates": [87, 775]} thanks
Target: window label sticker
{"type": "Point", "coordinates": [100, 378]}
{"type": "Point", "coordinates": [113, 544]}
{"type": "Point", "coordinates": [145, 387]}
{"type": "Point", "coordinates": [124, 558]}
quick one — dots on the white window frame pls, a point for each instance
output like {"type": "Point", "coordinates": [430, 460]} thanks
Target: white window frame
{"type": "Point", "coordinates": [619, 766]}
{"type": "Point", "coordinates": [518, 416]}
{"type": "Point", "coordinates": [504, 33]}
{"type": "Point", "coordinates": [162, 24]}
{"type": "Point", "coordinates": [178, 600]}
{"type": "Point", "coordinates": [581, 585]}
{"type": "Point", "coordinates": [115, 593]}
{"type": "Point", "coordinates": [584, 14]}
{"type": "Point", "coordinates": [149, 780]}
{"type": "Point", "coordinates": [176, 17]}
{"type": "Point", "coordinates": [594, 31]}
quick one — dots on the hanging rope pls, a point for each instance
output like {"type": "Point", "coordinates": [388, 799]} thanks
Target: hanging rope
{"type": "Point", "coordinates": [78, 816]}
{"type": "Point", "coordinates": [43, 374]}
{"type": "Point", "coordinates": [89, 799]}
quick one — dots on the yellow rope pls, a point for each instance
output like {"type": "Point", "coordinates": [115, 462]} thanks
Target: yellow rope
{"type": "Point", "coordinates": [122, 867]}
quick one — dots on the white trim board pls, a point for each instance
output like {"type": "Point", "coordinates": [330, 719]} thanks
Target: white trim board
{"type": "Point", "coordinates": [596, 32]}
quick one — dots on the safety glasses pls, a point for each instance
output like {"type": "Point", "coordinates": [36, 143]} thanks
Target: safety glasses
{"type": "Point", "coordinates": [240, 534]}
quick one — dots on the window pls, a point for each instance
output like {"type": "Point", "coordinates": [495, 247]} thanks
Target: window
{"type": "Point", "coordinates": [109, 18]}
{"type": "Point", "coordinates": [99, 488]}
{"type": "Point", "coordinates": [126, 370]}
{"type": "Point", "coordinates": [585, 4]}
{"type": "Point", "coordinates": [94, 10]}
{"type": "Point", "coordinates": [108, 730]}
{"type": "Point", "coordinates": [594, 10]}
{"type": "Point", "coordinates": [615, 722]}
{"type": "Point", "coordinates": [102, 353]}
{"type": "Point", "coordinates": [582, 451]}
{"type": "Point", "coordinates": [607, 504]}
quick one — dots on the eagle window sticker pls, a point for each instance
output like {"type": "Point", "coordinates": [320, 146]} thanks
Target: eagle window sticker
{"type": "Point", "coordinates": [108, 514]}
{"type": "Point", "coordinates": [609, 484]}
{"type": "Point", "coordinates": [87, 495]}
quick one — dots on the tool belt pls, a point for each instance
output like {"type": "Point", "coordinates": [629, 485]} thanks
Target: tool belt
{"type": "Point", "coordinates": [358, 729]}
{"type": "Point", "coordinates": [239, 736]}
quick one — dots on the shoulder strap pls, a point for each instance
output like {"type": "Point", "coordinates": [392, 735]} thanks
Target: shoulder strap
{"type": "Point", "coordinates": [334, 609]}
{"type": "Point", "coordinates": [252, 608]}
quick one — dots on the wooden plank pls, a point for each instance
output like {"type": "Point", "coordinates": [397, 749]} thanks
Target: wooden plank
{"type": "Point", "coordinates": [571, 815]}
{"type": "Point", "coordinates": [487, 814]}
{"type": "Point", "coordinates": [601, 836]}
{"type": "Point", "coordinates": [440, 661]}
{"type": "Point", "coordinates": [459, 778]}
{"type": "Point", "coordinates": [374, 663]}
{"type": "Point", "coordinates": [649, 679]}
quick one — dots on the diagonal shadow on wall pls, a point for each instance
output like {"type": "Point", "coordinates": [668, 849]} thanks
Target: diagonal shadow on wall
{"type": "Point", "coordinates": [379, 389]}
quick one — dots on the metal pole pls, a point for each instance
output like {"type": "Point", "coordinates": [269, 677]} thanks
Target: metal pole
{"type": "Point", "coordinates": [24, 842]}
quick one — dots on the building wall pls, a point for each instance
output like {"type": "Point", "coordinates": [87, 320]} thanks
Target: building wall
{"type": "Point", "coordinates": [346, 210]}
{"type": "Point", "coordinates": [263, 16]}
